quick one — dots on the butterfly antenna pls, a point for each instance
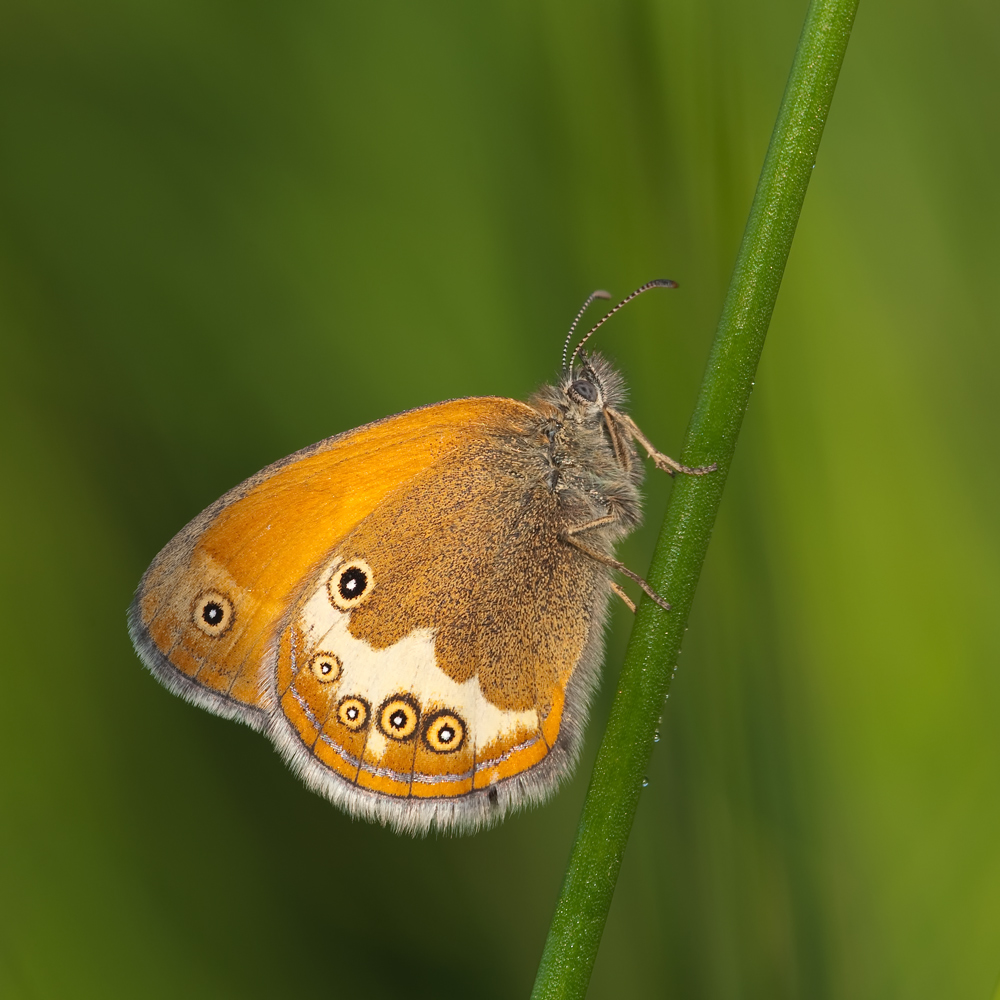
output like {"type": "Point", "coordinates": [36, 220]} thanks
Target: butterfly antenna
{"type": "Point", "coordinates": [599, 294]}
{"type": "Point", "coordinates": [655, 283]}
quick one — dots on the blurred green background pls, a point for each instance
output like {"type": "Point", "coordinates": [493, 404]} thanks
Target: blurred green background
{"type": "Point", "coordinates": [230, 229]}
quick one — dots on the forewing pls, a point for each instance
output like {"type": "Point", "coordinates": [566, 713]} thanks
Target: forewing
{"type": "Point", "coordinates": [209, 610]}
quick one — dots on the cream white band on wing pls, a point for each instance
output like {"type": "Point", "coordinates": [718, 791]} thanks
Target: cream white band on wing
{"type": "Point", "coordinates": [408, 666]}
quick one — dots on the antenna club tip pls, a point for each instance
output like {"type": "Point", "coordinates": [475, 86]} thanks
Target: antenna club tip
{"type": "Point", "coordinates": [664, 283]}
{"type": "Point", "coordinates": [602, 294]}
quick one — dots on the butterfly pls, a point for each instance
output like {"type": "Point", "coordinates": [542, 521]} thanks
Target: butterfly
{"type": "Point", "coordinates": [413, 611]}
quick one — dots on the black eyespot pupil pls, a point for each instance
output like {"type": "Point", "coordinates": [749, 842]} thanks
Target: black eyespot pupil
{"type": "Point", "coordinates": [324, 667]}
{"type": "Point", "coordinates": [447, 734]}
{"type": "Point", "coordinates": [352, 713]}
{"type": "Point", "coordinates": [585, 389]}
{"type": "Point", "coordinates": [353, 583]}
{"type": "Point", "coordinates": [398, 720]}
{"type": "Point", "coordinates": [212, 613]}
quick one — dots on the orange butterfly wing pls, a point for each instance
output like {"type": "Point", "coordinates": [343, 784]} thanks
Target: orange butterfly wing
{"type": "Point", "coordinates": [236, 615]}
{"type": "Point", "coordinates": [263, 538]}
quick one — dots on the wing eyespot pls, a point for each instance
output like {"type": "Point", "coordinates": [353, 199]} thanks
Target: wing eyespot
{"type": "Point", "coordinates": [444, 732]}
{"type": "Point", "coordinates": [398, 717]}
{"type": "Point", "coordinates": [353, 713]}
{"type": "Point", "coordinates": [326, 667]}
{"type": "Point", "coordinates": [213, 613]}
{"type": "Point", "coordinates": [351, 584]}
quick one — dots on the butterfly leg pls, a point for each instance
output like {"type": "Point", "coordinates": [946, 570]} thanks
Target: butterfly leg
{"type": "Point", "coordinates": [664, 462]}
{"type": "Point", "coordinates": [629, 603]}
{"type": "Point", "coordinates": [568, 535]}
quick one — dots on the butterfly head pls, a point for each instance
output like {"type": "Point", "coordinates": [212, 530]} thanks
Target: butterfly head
{"type": "Point", "coordinates": [591, 387]}
{"type": "Point", "coordinates": [590, 384]}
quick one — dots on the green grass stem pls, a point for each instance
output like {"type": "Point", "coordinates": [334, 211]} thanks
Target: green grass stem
{"type": "Point", "coordinates": [616, 783]}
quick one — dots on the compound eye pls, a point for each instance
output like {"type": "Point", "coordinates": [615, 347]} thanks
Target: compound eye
{"type": "Point", "coordinates": [585, 389]}
{"type": "Point", "coordinates": [351, 584]}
